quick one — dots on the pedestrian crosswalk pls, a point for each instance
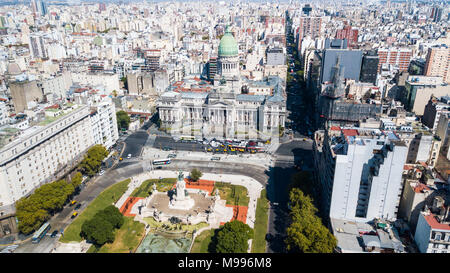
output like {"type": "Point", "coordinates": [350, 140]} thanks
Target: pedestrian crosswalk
{"type": "Point", "coordinates": [9, 249]}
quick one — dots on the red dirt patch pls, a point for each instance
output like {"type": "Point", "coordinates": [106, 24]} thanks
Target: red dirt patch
{"type": "Point", "coordinates": [129, 203]}
{"type": "Point", "coordinates": [239, 213]}
{"type": "Point", "coordinates": [205, 185]}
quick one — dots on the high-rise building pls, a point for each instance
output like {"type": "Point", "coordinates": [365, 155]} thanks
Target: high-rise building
{"type": "Point", "coordinates": [37, 47]}
{"type": "Point", "coordinates": [34, 7]}
{"type": "Point", "coordinates": [307, 9]}
{"type": "Point", "coordinates": [360, 173]}
{"type": "Point", "coordinates": [23, 93]}
{"type": "Point", "coordinates": [419, 89]}
{"type": "Point", "coordinates": [438, 62]}
{"type": "Point", "coordinates": [369, 68]}
{"type": "Point", "coordinates": [398, 57]}
{"type": "Point", "coordinates": [348, 33]}
{"type": "Point", "coordinates": [101, 7]}
{"type": "Point", "coordinates": [436, 14]}
{"type": "Point", "coordinates": [42, 8]}
{"type": "Point", "coordinates": [309, 25]}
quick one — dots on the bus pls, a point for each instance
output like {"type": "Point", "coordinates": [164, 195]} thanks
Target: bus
{"type": "Point", "coordinates": [190, 138]}
{"type": "Point", "coordinates": [38, 235]}
{"type": "Point", "coordinates": [161, 161]}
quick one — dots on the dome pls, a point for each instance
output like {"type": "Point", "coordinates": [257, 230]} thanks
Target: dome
{"type": "Point", "coordinates": [228, 45]}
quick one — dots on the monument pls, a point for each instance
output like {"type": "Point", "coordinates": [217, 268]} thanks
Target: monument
{"type": "Point", "coordinates": [180, 200]}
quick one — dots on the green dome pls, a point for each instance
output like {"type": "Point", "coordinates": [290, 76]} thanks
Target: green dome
{"type": "Point", "coordinates": [228, 45]}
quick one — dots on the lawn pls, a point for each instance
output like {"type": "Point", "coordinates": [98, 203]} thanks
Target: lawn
{"type": "Point", "coordinates": [202, 241]}
{"type": "Point", "coordinates": [146, 187]}
{"type": "Point", "coordinates": [260, 229]}
{"type": "Point", "coordinates": [234, 194]}
{"type": "Point", "coordinates": [104, 199]}
{"type": "Point", "coordinates": [127, 237]}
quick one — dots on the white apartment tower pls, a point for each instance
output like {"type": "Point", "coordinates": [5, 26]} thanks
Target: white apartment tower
{"type": "Point", "coordinates": [361, 174]}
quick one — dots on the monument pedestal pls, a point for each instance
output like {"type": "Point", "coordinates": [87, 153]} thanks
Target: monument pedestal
{"type": "Point", "coordinates": [184, 204]}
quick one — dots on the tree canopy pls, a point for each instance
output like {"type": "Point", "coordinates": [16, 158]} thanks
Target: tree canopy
{"type": "Point", "coordinates": [306, 233]}
{"type": "Point", "coordinates": [123, 120]}
{"type": "Point", "coordinates": [100, 228]}
{"type": "Point", "coordinates": [233, 237]}
{"type": "Point", "coordinates": [195, 174]}
{"type": "Point", "coordinates": [37, 208]}
{"type": "Point", "coordinates": [92, 161]}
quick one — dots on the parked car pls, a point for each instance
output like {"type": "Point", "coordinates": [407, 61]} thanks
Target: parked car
{"type": "Point", "coordinates": [101, 172]}
{"type": "Point", "coordinates": [54, 233]}
{"type": "Point", "coordinates": [74, 214]}
{"type": "Point", "coordinates": [129, 156]}
{"type": "Point", "coordinates": [78, 206]}
{"type": "Point", "coordinates": [73, 202]}
{"type": "Point", "coordinates": [217, 158]}
{"type": "Point", "coordinates": [172, 155]}
{"type": "Point", "coordinates": [167, 149]}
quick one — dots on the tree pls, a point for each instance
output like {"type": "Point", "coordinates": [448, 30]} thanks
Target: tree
{"type": "Point", "coordinates": [77, 179]}
{"type": "Point", "coordinates": [306, 233]}
{"type": "Point", "coordinates": [98, 230]}
{"type": "Point", "coordinates": [92, 161]}
{"type": "Point", "coordinates": [123, 120]}
{"type": "Point", "coordinates": [30, 215]}
{"type": "Point", "coordinates": [112, 214]}
{"type": "Point", "coordinates": [114, 93]}
{"type": "Point", "coordinates": [233, 237]}
{"type": "Point", "coordinates": [35, 209]}
{"type": "Point", "coordinates": [195, 174]}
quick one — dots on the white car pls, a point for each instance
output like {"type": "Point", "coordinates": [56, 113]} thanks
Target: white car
{"type": "Point", "coordinates": [101, 172]}
{"type": "Point", "coordinates": [129, 156]}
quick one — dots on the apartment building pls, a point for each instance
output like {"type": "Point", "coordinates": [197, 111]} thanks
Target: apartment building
{"type": "Point", "coordinates": [433, 228]}
{"type": "Point", "coordinates": [438, 62]}
{"type": "Point", "coordinates": [47, 150]}
{"type": "Point", "coordinates": [419, 89]}
{"type": "Point", "coordinates": [359, 172]}
{"type": "Point", "coordinates": [398, 57]}
{"type": "Point", "coordinates": [42, 152]}
{"type": "Point", "coordinates": [104, 123]}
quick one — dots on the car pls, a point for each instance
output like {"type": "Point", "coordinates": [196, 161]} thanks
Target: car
{"type": "Point", "coordinates": [101, 172]}
{"type": "Point", "coordinates": [120, 158]}
{"type": "Point", "coordinates": [167, 149]}
{"type": "Point", "coordinates": [172, 156]}
{"type": "Point", "coordinates": [129, 156]}
{"type": "Point", "coordinates": [215, 158]}
{"type": "Point", "coordinates": [78, 206]}
{"type": "Point", "coordinates": [74, 214]}
{"type": "Point", "coordinates": [54, 233]}
{"type": "Point", "coordinates": [73, 202]}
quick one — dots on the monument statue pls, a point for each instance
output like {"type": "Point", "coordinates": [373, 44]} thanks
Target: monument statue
{"type": "Point", "coordinates": [180, 200]}
{"type": "Point", "coordinates": [181, 187]}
